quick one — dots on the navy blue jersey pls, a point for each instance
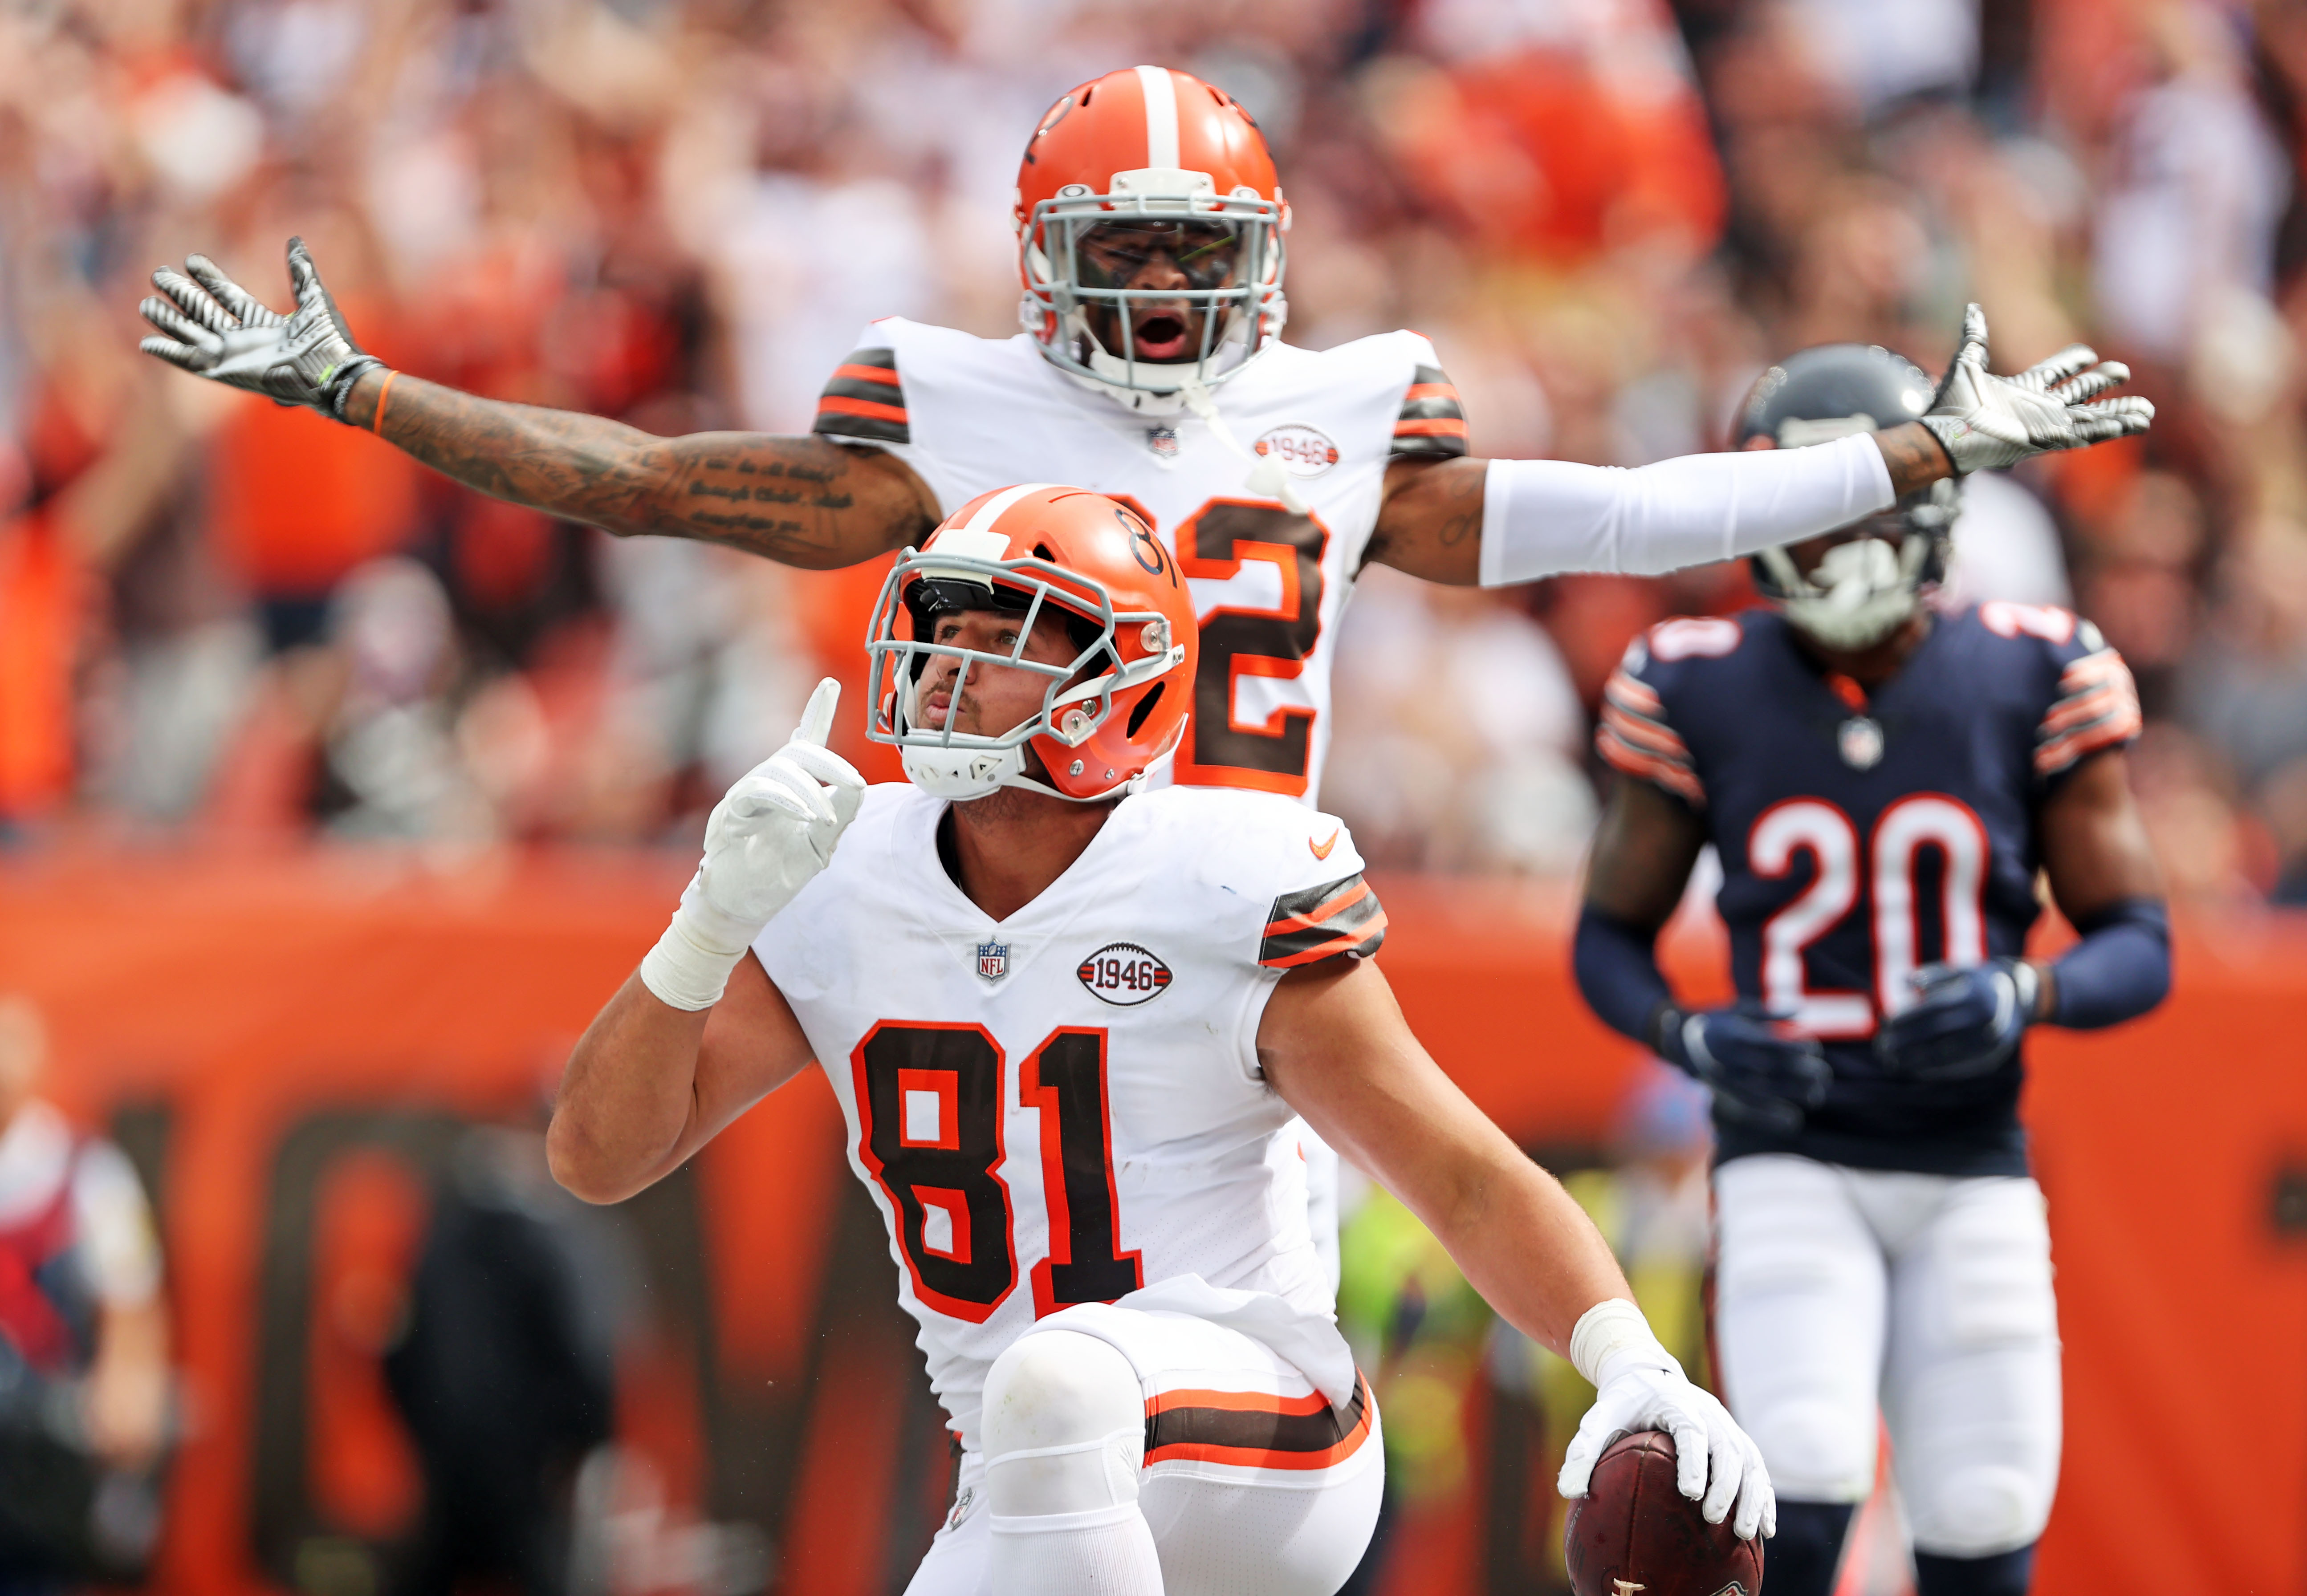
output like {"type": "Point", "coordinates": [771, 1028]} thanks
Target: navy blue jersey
{"type": "Point", "coordinates": [1863, 835]}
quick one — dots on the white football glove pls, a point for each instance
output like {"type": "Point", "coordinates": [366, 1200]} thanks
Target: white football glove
{"type": "Point", "coordinates": [1986, 422]}
{"type": "Point", "coordinates": [1639, 1386]}
{"type": "Point", "coordinates": [766, 840]}
{"type": "Point", "coordinates": [216, 329]}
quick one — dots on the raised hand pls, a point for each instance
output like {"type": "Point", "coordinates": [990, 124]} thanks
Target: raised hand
{"type": "Point", "coordinates": [766, 840]}
{"type": "Point", "coordinates": [1984, 422]}
{"type": "Point", "coordinates": [214, 328]}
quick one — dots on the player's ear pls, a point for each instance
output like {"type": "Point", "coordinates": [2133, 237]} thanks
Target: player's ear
{"type": "Point", "coordinates": [1759, 440]}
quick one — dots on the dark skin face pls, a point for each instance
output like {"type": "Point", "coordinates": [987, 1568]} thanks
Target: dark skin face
{"type": "Point", "coordinates": [1159, 261]}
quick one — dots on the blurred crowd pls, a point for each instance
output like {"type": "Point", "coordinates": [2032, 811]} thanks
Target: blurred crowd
{"type": "Point", "coordinates": [218, 617]}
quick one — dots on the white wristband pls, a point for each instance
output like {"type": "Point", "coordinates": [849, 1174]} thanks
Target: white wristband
{"type": "Point", "coordinates": [688, 968]}
{"type": "Point", "coordinates": [1614, 1333]}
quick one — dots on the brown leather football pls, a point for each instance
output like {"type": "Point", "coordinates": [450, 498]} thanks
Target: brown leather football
{"type": "Point", "coordinates": [1633, 1531]}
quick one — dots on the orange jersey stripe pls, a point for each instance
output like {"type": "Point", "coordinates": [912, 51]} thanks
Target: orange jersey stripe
{"type": "Point", "coordinates": [1426, 390]}
{"type": "Point", "coordinates": [853, 407]}
{"type": "Point", "coordinates": [1238, 1402]}
{"type": "Point", "coordinates": [2054, 756]}
{"type": "Point", "coordinates": [1344, 942]}
{"type": "Point", "coordinates": [1430, 426]}
{"type": "Point", "coordinates": [1673, 777]}
{"type": "Point", "coordinates": [1295, 923]}
{"type": "Point", "coordinates": [1639, 696]}
{"type": "Point", "coordinates": [868, 374]}
{"type": "Point", "coordinates": [1645, 734]}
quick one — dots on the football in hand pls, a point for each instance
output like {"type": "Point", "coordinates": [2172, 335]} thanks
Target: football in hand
{"type": "Point", "coordinates": [1633, 1531]}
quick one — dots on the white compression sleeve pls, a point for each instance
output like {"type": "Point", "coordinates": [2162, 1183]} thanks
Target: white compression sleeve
{"type": "Point", "coordinates": [1542, 518]}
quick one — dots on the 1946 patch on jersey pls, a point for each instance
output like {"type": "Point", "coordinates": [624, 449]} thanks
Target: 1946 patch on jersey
{"type": "Point", "coordinates": [1303, 451]}
{"type": "Point", "coordinates": [1124, 974]}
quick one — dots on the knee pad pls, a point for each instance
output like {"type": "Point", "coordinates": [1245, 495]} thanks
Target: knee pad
{"type": "Point", "coordinates": [1064, 1427]}
{"type": "Point", "coordinates": [1826, 1450]}
{"type": "Point", "coordinates": [2007, 1573]}
{"type": "Point", "coordinates": [1980, 1510]}
{"type": "Point", "coordinates": [1802, 1558]}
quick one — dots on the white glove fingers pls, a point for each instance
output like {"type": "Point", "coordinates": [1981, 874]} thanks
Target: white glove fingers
{"type": "Point", "coordinates": [2041, 375]}
{"type": "Point", "coordinates": [305, 278]}
{"type": "Point", "coordinates": [817, 718]}
{"type": "Point", "coordinates": [1578, 1459]}
{"type": "Point", "coordinates": [768, 792]}
{"type": "Point", "coordinates": [1690, 1457]}
{"type": "Point", "coordinates": [252, 311]}
{"type": "Point", "coordinates": [176, 353]}
{"type": "Point", "coordinates": [1754, 1498]}
{"type": "Point", "coordinates": [1972, 349]}
{"type": "Point", "coordinates": [1725, 1474]}
{"type": "Point", "coordinates": [824, 765]}
{"type": "Point", "coordinates": [195, 301]}
{"type": "Point", "coordinates": [164, 314]}
{"type": "Point", "coordinates": [2091, 385]}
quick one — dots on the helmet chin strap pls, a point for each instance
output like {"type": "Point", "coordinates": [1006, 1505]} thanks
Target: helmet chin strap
{"type": "Point", "coordinates": [1860, 593]}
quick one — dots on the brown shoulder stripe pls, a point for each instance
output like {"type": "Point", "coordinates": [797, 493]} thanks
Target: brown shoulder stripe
{"type": "Point", "coordinates": [1319, 923]}
{"type": "Point", "coordinates": [1432, 421]}
{"type": "Point", "coordinates": [865, 400]}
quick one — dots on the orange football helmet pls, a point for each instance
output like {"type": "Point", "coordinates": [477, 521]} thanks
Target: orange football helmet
{"type": "Point", "coordinates": [1149, 158]}
{"type": "Point", "coordinates": [1109, 716]}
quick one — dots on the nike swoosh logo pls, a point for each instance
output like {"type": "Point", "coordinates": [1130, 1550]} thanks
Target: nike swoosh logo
{"type": "Point", "coordinates": [1321, 850]}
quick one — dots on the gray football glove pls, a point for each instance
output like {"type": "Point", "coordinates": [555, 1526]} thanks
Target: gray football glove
{"type": "Point", "coordinates": [1985, 422]}
{"type": "Point", "coordinates": [216, 329]}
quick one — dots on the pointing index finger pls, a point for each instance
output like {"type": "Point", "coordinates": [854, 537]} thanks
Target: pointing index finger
{"type": "Point", "coordinates": [817, 720]}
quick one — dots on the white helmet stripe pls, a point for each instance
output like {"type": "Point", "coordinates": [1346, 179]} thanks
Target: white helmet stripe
{"type": "Point", "coordinates": [998, 506]}
{"type": "Point", "coordinates": [1161, 116]}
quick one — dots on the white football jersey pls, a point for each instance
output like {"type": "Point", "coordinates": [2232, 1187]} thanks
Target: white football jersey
{"type": "Point", "coordinates": [971, 414]}
{"type": "Point", "coordinates": [1066, 1106]}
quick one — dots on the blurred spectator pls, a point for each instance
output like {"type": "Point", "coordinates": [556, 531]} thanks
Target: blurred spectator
{"type": "Point", "coordinates": [83, 1337]}
{"type": "Point", "coordinates": [506, 1369]}
{"type": "Point", "coordinates": [1607, 215]}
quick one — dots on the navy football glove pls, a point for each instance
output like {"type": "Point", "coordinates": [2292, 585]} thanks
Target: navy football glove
{"type": "Point", "coordinates": [1964, 1022]}
{"type": "Point", "coordinates": [1758, 1074]}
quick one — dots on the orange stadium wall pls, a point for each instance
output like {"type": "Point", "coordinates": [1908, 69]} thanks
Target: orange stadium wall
{"type": "Point", "coordinates": [289, 1044]}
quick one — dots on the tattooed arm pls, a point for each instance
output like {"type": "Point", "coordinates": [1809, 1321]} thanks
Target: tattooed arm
{"type": "Point", "coordinates": [799, 501]}
{"type": "Point", "coordinates": [1688, 511]}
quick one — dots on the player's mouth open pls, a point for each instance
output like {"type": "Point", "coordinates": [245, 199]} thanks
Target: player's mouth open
{"type": "Point", "coordinates": [1160, 336]}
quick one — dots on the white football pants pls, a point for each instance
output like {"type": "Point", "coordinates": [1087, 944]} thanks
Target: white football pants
{"type": "Point", "coordinates": [1839, 1289]}
{"type": "Point", "coordinates": [1247, 1481]}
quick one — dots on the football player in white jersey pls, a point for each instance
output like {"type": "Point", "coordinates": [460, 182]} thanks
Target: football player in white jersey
{"type": "Point", "coordinates": [1150, 225]}
{"type": "Point", "coordinates": [1069, 1021]}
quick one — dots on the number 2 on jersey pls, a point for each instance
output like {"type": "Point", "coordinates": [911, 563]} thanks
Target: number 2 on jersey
{"type": "Point", "coordinates": [1214, 543]}
{"type": "Point", "coordinates": [929, 1098]}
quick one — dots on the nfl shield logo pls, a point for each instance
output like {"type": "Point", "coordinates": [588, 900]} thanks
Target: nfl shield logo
{"type": "Point", "coordinates": [1163, 440]}
{"type": "Point", "coordinates": [992, 960]}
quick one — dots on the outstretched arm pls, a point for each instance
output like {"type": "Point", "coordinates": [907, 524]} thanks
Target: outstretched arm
{"type": "Point", "coordinates": [1496, 522]}
{"type": "Point", "coordinates": [804, 501]}
{"type": "Point", "coordinates": [799, 501]}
